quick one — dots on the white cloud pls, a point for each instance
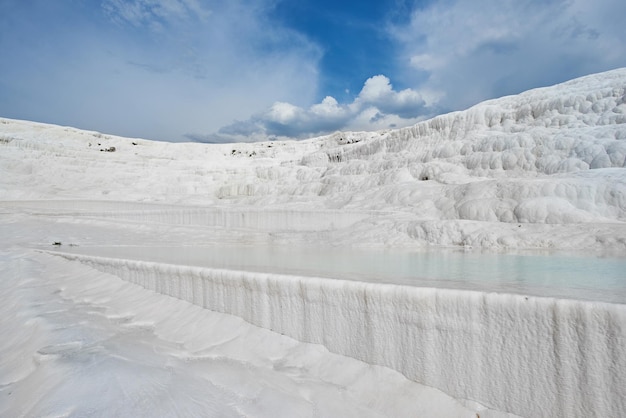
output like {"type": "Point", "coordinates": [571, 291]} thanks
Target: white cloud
{"type": "Point", "coordinates": [378, 92]}
{"type": "Point", "coordinates": [378, 106]}
{"type": "Point", "coordinates": [465, 51]}
{"type": "Point", "coordinates": [284, 113]}
{"type": "Point", "coordinates": [329, 108]}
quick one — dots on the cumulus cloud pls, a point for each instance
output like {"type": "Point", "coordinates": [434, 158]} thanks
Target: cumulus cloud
{"type": "Point", "coordinates": [465, 51]}
{"type": "Point", "coordinates": [377, 106]}
{"type": "Point", "coordinates": [378, 92]}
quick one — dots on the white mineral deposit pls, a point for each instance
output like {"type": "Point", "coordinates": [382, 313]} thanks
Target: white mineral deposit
{"type": "Point", "coordinates": [471, 265]}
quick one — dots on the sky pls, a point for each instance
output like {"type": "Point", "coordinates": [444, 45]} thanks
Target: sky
{"type": "Point", "coordinates": [249, 70]}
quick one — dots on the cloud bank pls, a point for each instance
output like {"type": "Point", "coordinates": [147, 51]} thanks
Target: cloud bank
{"type": "Point", "coordinates": [377, 106]}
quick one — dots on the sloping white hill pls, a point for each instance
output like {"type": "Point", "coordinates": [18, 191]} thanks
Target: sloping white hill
{"type": "Point", "coordinates": [546, 168]}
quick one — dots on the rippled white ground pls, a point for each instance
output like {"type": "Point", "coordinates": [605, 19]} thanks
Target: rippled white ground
{"type": "Point", "coordinates": [77, 342]}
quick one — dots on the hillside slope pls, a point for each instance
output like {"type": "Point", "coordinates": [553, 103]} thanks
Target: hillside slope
{"type": "Point", "coordinates": [546, 169]}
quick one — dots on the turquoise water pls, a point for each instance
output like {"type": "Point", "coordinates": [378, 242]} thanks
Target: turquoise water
{"type": "Point", "coordinates": [567, 275]}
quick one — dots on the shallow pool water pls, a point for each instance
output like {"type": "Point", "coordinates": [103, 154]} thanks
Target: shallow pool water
{"type": "Point", "coordinates": [568, 275]}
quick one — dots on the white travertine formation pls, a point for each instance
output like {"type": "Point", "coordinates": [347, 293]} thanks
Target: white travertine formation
{"type": "Point", "coordinates": [530, 356]}
{"type": "Point", "coordinates": [553, 158]}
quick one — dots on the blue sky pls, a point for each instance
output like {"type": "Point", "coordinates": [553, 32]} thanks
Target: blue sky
{"type": "Point", "coordinates": [241, 70]}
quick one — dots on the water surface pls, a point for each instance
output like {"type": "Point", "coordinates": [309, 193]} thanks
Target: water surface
{"type": "Point", "coordinates": [566, 275]}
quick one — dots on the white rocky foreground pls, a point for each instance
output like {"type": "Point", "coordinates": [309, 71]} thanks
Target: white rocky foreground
{"type": "Point", "coordinates": [545, 169]}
